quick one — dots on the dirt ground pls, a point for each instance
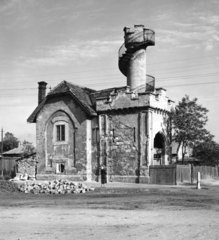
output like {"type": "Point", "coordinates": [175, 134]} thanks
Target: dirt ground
{"type": "Point", "coordinates": [119, 211]}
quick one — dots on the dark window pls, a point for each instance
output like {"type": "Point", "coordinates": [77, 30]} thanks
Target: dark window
{"type": "Point", "coordinates": [95, 136]}
{"type": "Point", "coordinates": [60, 132]}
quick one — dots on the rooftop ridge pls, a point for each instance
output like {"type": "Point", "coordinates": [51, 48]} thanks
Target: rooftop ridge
{"type": "Point", "coordinates": [90, 89]}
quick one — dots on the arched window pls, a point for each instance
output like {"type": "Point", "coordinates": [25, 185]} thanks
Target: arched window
{"type": "Point", "coordinates": [60, 142]}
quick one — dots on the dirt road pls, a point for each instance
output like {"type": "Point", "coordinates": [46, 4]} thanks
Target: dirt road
{"type": "Point", "coordinates": [130, 212]}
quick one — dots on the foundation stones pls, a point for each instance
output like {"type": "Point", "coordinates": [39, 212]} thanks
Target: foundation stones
{"type": "Point", "coordinates": [54, 187]}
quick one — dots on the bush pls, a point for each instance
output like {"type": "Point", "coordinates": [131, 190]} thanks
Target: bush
{"type": "Point", "coordinates": [7, 186]}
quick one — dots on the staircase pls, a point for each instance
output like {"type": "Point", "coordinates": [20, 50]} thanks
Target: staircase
{"type": "Point", "coordinates": [134, 41]}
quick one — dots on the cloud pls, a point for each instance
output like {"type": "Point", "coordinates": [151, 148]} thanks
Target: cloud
{"type": "Point", "coordinates": [190, 45]}
{"type": "Point", "coordinates": [197, 27]}
{"type": "Point", "coordinates": [209, 46]}
{"type": "Point", "coordinates": [194, 36]}
{"type": "Point", "coordinates": [66, 53]}
{"type": "Point", "coordinates": [214, 20]}
{"type": "Point", "coordinates": [180, 24]}
{"type": "Point", "coordinates": [5, 5]}
{"type": "Point", "coordinates": [216, 37]}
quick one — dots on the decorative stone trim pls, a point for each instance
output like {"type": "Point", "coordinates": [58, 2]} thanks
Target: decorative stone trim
{"type": "Point", "coordinates": [62, 118]}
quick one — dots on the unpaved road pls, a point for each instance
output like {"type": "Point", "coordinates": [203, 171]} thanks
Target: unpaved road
{"type": "Point", "coordinates": [129, 212]}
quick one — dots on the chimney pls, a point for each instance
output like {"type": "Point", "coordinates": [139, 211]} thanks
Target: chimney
{"type": "Point", "coordinates": [41, 91]}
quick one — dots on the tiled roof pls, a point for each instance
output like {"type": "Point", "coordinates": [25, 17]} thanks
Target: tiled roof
{"type": "Point", "coordinates": [85, 97]}
{"type": "Point", "coordinates": [79, 93]}
{"type": "Point", "coordinates": [14, 151]}
{"type": "Point", "coordinates": [32, 117]}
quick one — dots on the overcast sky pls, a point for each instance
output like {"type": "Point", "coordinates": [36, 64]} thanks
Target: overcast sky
{"type": "Point", "coordinates": [78, 41]}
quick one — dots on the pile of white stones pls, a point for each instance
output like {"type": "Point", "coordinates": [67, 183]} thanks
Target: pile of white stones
{"type": "Point", "coordinates": [54, 187]}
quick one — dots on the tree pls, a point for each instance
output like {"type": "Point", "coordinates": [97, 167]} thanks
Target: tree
{"type": "Point", "coordinates": [27, 148]}
{"type": "Point", "coordinates": [9, 142]}
{"type": "Point", "coordinates": [188, 122]}
{"type": "Point", "coordinates": [207, 152]}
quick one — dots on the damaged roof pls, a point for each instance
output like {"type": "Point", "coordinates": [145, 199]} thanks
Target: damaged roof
{"type": "Point", "coordinates": [105, 93]}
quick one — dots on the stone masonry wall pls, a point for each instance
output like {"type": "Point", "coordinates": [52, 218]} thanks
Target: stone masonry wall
{"type": "Point", "coordinates": [78, 117]}
{"type": "Point", "coordinates": [120, 149]}
{"type": "Point", "coordinates": [27, 165]}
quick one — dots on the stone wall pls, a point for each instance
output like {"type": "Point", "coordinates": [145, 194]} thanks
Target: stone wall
{"type": "Point", "coordinates": [78, 117]}
{"type": "Point", "coordinates": [28, 165]}
{"type": "Point", "coordinates": [120, 147]}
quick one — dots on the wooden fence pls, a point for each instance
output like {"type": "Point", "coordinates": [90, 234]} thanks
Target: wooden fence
{"type": "Point", "coordinates": [183, 174]}
{"type": "Point", "coordinates": [205, 171]}
{"type": "Point", "coordinates": [162, 174]}
{"type": "Point", "coordinates": [176, 174]}
{"type": "Point", "coordinates": [8, 166]}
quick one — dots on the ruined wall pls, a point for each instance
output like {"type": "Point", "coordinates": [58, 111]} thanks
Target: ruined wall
{"type": "Point", "coordinates": [27, 165]}
{"type": "Point", "coordinates": [120, 148]}
{"type": "Point", "coordinates": [77, 158]}
{"type": "Point", "coordinates": [152, 109]}
{"type": "Point", "coordinates": [123, 160]}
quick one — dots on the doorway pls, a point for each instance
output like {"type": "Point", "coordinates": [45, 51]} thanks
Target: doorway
{"type": "Point", "coordinates": [60, 168]}
{"type": "Point", "coordinates": [159, 149]}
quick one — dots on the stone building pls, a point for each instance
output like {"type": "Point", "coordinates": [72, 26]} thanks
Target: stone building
{"type": "Point", "coordinates": [125, 128]}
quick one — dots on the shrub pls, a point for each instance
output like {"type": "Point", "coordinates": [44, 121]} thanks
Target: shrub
{"type": "Point", "coordinates": [7, 186]}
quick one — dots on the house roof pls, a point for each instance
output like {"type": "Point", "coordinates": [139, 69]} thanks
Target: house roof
{"type": "Point", "coordinates": [84, 96]}
{"type": "Point", "coordinates": [80, 94]}
{"type": "Point", "coordinates": [15, 151]}
{"type": "Point", "coordinates": [105, 93]}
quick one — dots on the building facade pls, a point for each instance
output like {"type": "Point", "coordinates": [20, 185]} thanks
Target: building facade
{"type": "Point", "coordinates": [126, 129]}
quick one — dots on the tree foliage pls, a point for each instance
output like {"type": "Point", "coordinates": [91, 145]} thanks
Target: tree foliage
{"type": "Point", "coordinates": [9, 142]}
{"type": "Point", "coordinates": [27, 148]}
{"type": "Point", "coordinates": [188, 122]}
{"type": "Point", "coordinates": [207, 152]}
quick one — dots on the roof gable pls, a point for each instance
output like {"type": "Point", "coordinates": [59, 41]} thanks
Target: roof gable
{"type": "Point", "coordinates": [84, 96]}
{"type": "Point", "coordinates": [80, 94]}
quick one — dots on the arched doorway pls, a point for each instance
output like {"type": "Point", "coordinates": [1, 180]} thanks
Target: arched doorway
{"type": "Point", "coordinates": [159, 149]}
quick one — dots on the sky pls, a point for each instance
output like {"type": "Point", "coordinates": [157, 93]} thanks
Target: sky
{"type": "Point", "coordinates": [78, 41]}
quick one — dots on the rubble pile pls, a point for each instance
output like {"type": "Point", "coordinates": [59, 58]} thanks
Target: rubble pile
{"type": "Point", "coordinates": [54, 187]}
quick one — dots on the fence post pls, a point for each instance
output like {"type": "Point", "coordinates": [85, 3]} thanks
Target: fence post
{"type": "Point", "coordinates": [198, 180]}
{"type": "Point", "coordinates": [175, 175]}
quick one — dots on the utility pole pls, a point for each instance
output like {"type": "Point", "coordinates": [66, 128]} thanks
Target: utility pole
{"type": "Point", "coordinates": [2, 149]}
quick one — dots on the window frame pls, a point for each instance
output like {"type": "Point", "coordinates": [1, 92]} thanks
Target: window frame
{"type": "Point", "coordinates": [60, 133]}
{"type": "Point", "coordinates": [95, 136]}
{"type": "Point", "coordinates": [60, 140]}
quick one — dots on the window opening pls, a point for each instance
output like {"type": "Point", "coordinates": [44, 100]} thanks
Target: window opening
{"type": "Point", "coordinates": [95, 136]}
{"type": "Point", "coordinates": [60, 132]}
{"type": "Point", "coordinates": [60, 168]}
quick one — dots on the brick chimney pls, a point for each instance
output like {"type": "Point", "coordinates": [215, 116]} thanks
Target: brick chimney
{"type": "Point", "coordinates": [41, 91]}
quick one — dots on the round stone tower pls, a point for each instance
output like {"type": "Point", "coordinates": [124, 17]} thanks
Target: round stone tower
{"type": "Point", "coordinates": [132, 57]}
